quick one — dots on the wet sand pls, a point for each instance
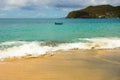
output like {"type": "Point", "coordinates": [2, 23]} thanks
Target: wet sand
{"type": "Point", "coordinates": [65, 65]}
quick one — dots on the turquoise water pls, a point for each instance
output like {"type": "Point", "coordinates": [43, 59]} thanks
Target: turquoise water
{"type": "Point", "coordinates": [35, 37]}
{"type": "Point", "coordinates": [46, 30]}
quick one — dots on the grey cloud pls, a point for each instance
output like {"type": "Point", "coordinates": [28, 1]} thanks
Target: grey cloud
{"type": "Point", "coordinates": [61, 4]}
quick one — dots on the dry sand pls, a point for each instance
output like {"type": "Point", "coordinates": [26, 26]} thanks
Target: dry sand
{"type": "Point", "coordinates": [65, 65]}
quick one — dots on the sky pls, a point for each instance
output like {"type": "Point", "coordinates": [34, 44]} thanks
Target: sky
{"type": "Point", "coordinates": [46, 8]}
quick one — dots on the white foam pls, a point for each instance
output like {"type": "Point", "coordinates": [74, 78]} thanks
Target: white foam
{"type": "Point", "coordinates": [36, 49]}
{"type": "Point", "coordinates": [106, 43]}
{"type": "Point", "coordinates": [32, 48]}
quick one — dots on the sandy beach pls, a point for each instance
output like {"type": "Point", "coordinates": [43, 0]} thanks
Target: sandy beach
{"type": "Point", "coordinates": [65, 65]}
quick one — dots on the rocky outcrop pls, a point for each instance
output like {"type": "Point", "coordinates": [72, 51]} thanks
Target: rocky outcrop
{"type": "Point", "coordinates": [100, 11]}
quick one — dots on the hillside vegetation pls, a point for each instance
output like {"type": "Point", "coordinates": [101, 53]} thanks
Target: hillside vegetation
{"type": "Point", "coordinates": [100, 11]}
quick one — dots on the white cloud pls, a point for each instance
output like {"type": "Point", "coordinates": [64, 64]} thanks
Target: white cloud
{"type": "Point", "coordinates": [61, 4]}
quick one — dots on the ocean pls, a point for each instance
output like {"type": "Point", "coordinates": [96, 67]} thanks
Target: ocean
{"type": "Point", "coordinates": [35, 37]}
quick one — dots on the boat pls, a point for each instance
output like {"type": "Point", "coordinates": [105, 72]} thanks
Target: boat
{"type": "Point", "coordinates": [58, 23]}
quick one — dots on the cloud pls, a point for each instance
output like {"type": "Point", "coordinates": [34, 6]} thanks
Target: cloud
{"type": "Point", "coordinates": [46, 8]}
{"type": "Point", "coordinates": [46, 4]}
{"type": "Point", "coordinates": [18, 4]}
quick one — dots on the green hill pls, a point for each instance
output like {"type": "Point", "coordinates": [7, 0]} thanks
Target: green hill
{"type": "Point", "coordinates": [100, 11]}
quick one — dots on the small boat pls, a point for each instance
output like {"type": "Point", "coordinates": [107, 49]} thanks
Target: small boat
{"type": "Point", "coordinates": [58, 23]}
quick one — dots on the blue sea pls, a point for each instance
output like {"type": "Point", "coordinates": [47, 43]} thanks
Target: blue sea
{"type": "Point", "coordinates": [22, 37]}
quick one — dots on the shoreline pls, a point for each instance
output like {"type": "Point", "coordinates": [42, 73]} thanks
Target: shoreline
{"type": "Point", "coordinates": [61, 52]}
{"type": "Point", "coordinates": [73, 64]}
{"type": "Point", "coordinates": [19, 49]}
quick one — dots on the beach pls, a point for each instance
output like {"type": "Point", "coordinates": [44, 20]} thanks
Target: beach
{"type": "Point", "coordinates": [79, 49]}
{"type": "Point", "coordinates": [74, 64]}
{"type": "Point", "coordinates": [60, 40]}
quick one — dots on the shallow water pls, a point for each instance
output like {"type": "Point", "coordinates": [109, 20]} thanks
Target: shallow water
{"type": "Point", "coordinates": [46, 30]}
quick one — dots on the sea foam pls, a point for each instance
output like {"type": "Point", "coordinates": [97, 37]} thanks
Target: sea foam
{"type": "Point", "coordinates": [35, 48]}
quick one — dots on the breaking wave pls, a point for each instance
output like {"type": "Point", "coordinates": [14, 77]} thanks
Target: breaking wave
{"type": "Point", "coordinates": [20, 49]}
